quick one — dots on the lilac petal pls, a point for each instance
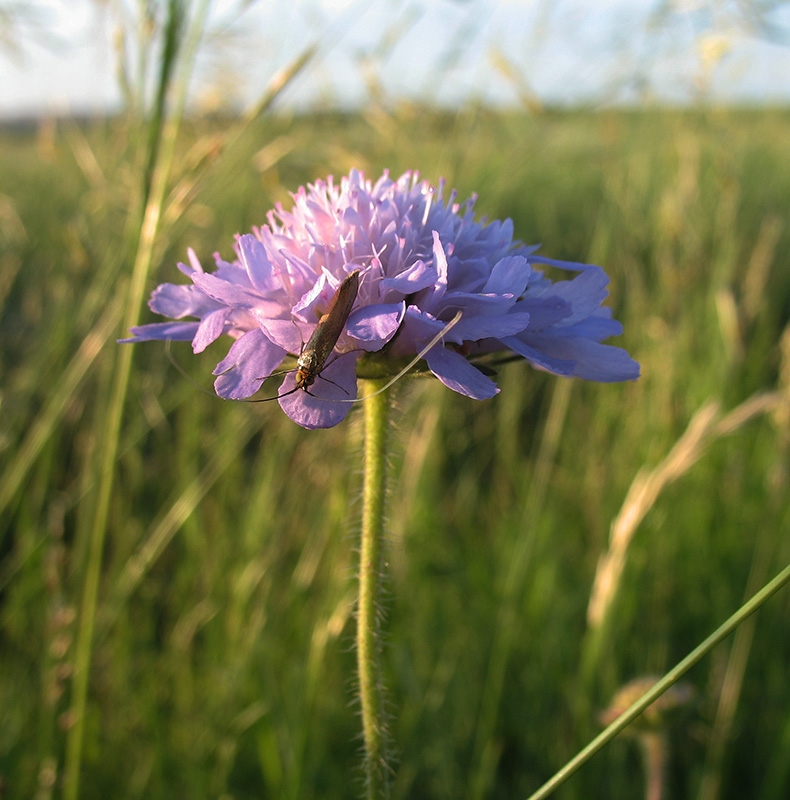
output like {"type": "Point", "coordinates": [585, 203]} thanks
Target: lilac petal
{"type": "Point", "coordinates": [211, 328]}
{"type": "Point", "coordinates": [194, 263]}
{"type": "Point", "coordinates": [482, 314]}
{"type": "Point", "coordinates": [224, 292]}
{"type": "Point", "coordinates": [591, 360]}
{"type": "Point", "coordinates": [510, 275]}
{"type": "Point", "coordinates": [455, 372]}
{"type": "Point", "coordinates": [283, 332]}
{"type": "Point", "coordinates": [250, 360]}
{"type": "Point", "coordinates": [324, 224]}
{"type": "Point", "coordinates": [373, 326]}
{"type": "Point", "coordinates": [180, 300]}
{"type": "Point", "coordinates": [475, 303]}
{"type": "Point", "coordinates": [419, 327]}
{"type": "Point", "coordinates": [173, 331]}
{"type": "Point", "coordinates": [440, 259]}
{"type": "Point", "coordinates": [553, 262]}
{"type": "Point", "coordinates": [440, 263]}
{"type": "Point", "coordinates": [296, 265]}
{"type": "Point", "coordinates": [256, 262]}
{"type": "Point", "coordinates": [240, 320]}
{"type": "Point", "coordinates": [416, 330]}
{"type": "Point", "coordinates": [538, 358]}
{"type": "Point", "coordinates": [544, 311]}
{"type": "Point", "coordinates": [584, 293]}
{"type": "Point", "coordinates": [352, 219]}
{"type": "Point", "coordinates": [604, 363]}
{"type": "Point", "coordinates": [597, 327]}
{"type": "Point", "coordinates": [417, 277]}
{"type": "Point", "coordinates": [317, 294]}
{"type": "Point", "coordinates": [474, 328]}
{"type": "Point", "coordinates": [318, 411]}
{"type": "Point", "coordinates": [231, 272]}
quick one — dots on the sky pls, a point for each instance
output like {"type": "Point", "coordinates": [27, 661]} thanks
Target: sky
{"type": "Point", "coordinates": [61, 56]}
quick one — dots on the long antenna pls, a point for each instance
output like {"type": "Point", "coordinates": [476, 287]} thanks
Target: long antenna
{"type": "Point", "coordinates": [183, 372]}
{"type": "Point", "coordinates": [451, 324]}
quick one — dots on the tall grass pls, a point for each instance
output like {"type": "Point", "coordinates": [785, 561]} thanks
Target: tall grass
{"type": "Point", "coordinates": [221, 663]}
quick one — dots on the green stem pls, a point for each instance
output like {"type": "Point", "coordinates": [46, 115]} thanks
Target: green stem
{"type": "Point", "coordinates": [371, 690]}
{"type": "Point", "coordinates": [680, 669]}
{"type": "Point", "coordinates": [153, 201]}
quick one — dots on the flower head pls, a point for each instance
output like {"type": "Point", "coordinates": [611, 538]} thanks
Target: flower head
{"type": "Point", "coordinates": [420, 260]}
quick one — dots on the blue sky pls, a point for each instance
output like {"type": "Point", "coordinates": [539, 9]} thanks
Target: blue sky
{"type": "Point", "coordinates": [440, 51]}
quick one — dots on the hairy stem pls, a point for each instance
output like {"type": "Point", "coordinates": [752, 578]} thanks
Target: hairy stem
{"type": "Point", "coordinates": [371, 690]}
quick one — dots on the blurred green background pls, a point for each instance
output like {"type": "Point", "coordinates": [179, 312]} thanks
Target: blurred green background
{"type": "Point", "coordinates": [221, 656]}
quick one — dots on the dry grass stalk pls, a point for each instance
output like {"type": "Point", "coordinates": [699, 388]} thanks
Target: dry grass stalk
{"type": "Point", "coordinates": [706, 426]}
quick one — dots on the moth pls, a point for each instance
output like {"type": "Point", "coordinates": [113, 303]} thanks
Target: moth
{"type": "Point", "coordinates": [322, 342]}
{"type": "Point", "coordinates": [314, 355]}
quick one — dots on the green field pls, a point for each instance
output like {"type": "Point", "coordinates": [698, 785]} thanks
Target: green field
{"type": "Point", "coordinates": [222, 662]}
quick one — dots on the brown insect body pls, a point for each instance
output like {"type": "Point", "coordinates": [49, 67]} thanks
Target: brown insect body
{"type": "Point", "coordinates": [324, 338]}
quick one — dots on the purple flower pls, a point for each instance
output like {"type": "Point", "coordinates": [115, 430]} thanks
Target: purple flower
{"type": "Point", "coordinates": [421, 259]}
